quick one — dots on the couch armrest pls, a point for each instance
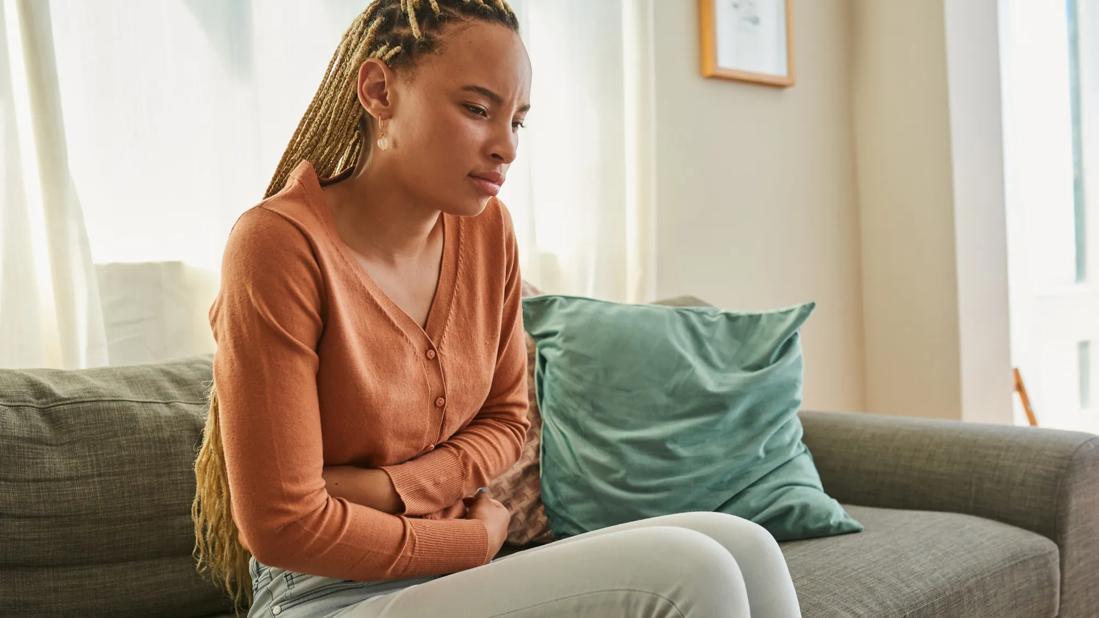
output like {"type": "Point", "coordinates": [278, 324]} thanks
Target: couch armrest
{"type": "Point", "coordinates": [1043, 480]}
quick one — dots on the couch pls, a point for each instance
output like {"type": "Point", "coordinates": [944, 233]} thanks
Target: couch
{"type": "Point", "coordinates": [97, 479]}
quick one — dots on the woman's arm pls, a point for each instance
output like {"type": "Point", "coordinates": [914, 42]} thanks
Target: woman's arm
{"type": "Point", "coordinates": [372, 487]}
{"type": "Point", "coordinates": [366, 486]}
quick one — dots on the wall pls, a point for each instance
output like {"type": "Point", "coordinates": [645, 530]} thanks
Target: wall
{"type": "Point", "coordinates": [928, 142]}
{"type": "Point", "coordinates": [756, 196]}
{"type": "Point", "coordinates": [980, 215]}
{"type": "Point", "coordinates": [874, 187]}
{"type": "Point", "coordinates": [902, 136]}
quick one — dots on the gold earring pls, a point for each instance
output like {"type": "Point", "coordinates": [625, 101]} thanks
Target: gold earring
{"type": "Point", "coordinates": [383, 141]}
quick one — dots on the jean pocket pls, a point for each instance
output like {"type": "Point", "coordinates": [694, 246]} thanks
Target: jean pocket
{"type": "Point", "coordinates": [260, 574]}
{"type": "Point", "coordinates": [275, 584]}
{"type": "Point", "coordinates": [282, 586]}
{"type": "Point", "coordinates": [320, 591]}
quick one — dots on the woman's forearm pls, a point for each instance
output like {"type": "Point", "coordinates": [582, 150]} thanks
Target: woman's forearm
{"type": "Point", "coordinates": [367, 486]}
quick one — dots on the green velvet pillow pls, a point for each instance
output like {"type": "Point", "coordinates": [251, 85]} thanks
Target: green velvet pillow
{"type": "Point", "coordinates": [649, 410]}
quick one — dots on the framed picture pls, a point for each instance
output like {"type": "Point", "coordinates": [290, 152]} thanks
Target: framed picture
{"type": "Point", "coordinates": [748, 40]}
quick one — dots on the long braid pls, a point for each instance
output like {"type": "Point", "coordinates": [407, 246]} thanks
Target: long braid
{"type": "Point", "coordinates": [329, 135]}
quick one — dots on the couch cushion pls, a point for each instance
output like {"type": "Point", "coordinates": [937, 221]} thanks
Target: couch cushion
{"type": "Point", "coordinates": [96, 484]}
{"type": "Point", "coordinates": [925, 563]}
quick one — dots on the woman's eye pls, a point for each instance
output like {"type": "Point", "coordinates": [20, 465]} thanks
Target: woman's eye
{"type": "Point", "coordinates": [480, 111]}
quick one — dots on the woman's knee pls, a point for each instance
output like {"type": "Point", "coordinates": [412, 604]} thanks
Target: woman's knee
{"type": "Point", "coordinates": [677, 546]}
{"type": "Point", "coordinates": [699, 574]}
{"type": "Point", "coordinates": [732, 531]}
{"type": "Point", "coordinates": [717, 519]}
{"type": "Point", "coordinates": [693, 571]}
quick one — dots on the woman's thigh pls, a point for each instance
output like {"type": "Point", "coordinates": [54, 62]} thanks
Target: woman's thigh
{"type": "Point", "coordinates": [766, 575]}
{"type": "Point", "coordinates": [646, 571]}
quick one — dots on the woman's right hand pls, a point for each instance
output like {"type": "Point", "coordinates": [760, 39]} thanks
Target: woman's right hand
{"type": "Point", "coordinates": [495, 516]}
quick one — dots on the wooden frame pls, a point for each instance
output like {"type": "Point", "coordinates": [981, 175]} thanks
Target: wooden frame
{"type": "Point", "coordinates": [708, 36]}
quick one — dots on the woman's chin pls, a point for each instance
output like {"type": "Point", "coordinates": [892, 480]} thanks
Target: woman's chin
{"type": "Point", "coordinates": [472, 207]}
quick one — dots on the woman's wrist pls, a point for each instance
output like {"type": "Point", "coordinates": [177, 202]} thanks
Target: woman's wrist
{"type": "Point", "coordinates": [370, 487]}
{"type": "Point", "coordinates": [387, 492]}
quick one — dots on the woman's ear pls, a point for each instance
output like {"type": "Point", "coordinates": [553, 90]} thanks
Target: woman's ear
{"type": "Point", "coordinates": [375, 88]}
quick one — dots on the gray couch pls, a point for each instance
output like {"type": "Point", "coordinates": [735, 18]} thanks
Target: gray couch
{"type": "Point", "coordinates": [96, 483]}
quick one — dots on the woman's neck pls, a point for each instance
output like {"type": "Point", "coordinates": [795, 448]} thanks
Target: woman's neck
{"type": "Point", "coordinates": [377, 219]}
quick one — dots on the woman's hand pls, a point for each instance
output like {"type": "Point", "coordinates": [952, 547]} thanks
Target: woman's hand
{"type": "Point", "coordinates": [495, 516]}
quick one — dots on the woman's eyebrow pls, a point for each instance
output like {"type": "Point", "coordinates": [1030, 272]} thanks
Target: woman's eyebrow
{"type": "Point", "coordinates": [491, 96]}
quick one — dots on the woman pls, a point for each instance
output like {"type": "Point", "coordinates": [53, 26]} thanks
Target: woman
{"type": "Point", "coordinates": [371, 371]}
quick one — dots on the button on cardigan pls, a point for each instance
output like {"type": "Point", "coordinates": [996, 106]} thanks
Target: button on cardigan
{"type": "Point", "coordinates": [315, 366]}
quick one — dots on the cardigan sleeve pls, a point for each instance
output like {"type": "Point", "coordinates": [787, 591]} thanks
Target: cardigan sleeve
{"type": "Point", "coordinates": [493, 440]}
{"type": "Point", "coordinates": [267, 320]}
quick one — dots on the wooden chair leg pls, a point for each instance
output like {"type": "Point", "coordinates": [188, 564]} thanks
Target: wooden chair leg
{"type": "Point", "coordinates": [1021, 389]}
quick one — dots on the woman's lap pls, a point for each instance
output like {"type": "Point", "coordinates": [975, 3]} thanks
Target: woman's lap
{"type": "Point", "coordinates": [686, 564]}
{"type": "Point", "coordinates": [278, 592]}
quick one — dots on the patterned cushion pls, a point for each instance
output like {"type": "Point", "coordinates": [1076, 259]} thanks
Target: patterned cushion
{"type": "Point", "coordinates": [519, 488]}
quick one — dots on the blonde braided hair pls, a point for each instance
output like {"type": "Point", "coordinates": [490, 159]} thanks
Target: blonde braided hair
{"type": "Point", "coordinates": [399, 32]}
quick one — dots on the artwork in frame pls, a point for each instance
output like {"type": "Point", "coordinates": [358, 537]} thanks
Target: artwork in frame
{"type": "Point", "coordinates": [748, 40]}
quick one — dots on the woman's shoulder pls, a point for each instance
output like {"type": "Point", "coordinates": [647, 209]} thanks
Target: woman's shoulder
{"type": "Point", "coordinates": [267, 245]}
{"type": "Point", "coordinates": [262, 228]}
{"type": "Point", "coordinates": [283, 221]}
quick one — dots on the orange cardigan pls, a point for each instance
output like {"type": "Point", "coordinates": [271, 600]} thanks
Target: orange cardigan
{"type": "Point", "coordinates": [315, 366]}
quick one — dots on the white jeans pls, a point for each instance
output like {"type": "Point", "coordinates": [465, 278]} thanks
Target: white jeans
{"type": "Point", "coordinates": [686, 565]}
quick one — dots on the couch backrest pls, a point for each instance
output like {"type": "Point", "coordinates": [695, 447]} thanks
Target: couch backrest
{"type": "Point", "coordinates": [96, 484]}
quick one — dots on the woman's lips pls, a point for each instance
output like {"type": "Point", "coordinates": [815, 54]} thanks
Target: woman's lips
{"type": "Point", "coordinates": [485, 186]}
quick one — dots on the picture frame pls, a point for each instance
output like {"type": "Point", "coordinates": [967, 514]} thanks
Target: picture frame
{"type": "Point", "coordinates": [748, 40]}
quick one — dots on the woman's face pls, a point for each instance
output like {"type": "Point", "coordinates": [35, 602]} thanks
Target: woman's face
{"type": "Point", "coordinates": [457, 116]}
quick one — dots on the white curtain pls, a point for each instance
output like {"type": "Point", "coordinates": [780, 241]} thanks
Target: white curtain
{"type": "Point", "coordinates": [583, 191]}
{"type": "Point", "coordinates": [50, 313]}
{"type": "Point", "coordinates": [176, 112]}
